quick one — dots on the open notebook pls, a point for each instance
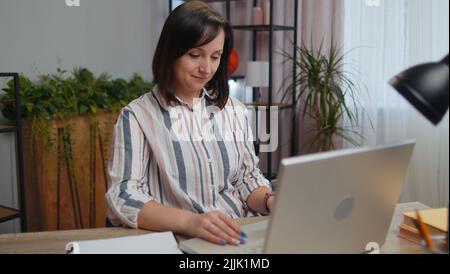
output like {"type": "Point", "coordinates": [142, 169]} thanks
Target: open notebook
{"type": "Point", "coordinates": [152, 243]}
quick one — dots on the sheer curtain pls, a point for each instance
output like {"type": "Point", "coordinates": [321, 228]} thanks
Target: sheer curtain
{"type": "Point", "coordinates": [384, 38]}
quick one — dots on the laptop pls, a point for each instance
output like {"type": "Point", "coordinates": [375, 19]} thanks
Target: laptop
{"type": "Point", "coordinates": [333, 202]}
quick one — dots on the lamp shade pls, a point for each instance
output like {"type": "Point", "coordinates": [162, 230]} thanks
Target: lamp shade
{"type": "Point", "coordinates": [257, 74]}
{"type": "Point", "coordinates": [425, 86]}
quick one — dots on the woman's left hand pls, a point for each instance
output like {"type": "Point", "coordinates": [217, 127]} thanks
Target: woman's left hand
{"type": "Point", "coordinates": [271, 203]}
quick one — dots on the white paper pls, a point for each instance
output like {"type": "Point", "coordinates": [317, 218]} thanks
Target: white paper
{"type": "Point", "coordinates": [152, 243]}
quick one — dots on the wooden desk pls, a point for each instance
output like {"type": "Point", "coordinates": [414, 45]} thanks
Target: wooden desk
{"type": "Point", "coordinates": [55, 242]}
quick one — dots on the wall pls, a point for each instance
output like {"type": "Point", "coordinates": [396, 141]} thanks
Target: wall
{"type": "Point", "coordinates": [113, 36]}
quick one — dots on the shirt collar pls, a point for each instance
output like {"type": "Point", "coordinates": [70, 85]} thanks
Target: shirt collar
{"type": "Point", "coordinates": [204, 93]}
{"type": "Point", "coordinates": [162, 101]}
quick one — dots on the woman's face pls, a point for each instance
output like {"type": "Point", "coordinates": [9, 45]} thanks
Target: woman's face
{"type": "Point", "coordinates": [197, 67]}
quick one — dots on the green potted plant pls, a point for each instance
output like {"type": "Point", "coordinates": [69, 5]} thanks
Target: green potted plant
{"type": "Point", "coordinates": [325, 94]}
{"type": "Point", "coordinates": [68, 123]}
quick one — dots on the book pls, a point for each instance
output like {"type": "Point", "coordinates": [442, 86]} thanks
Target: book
{"type": "Point", "coordinates": [409, 233]}
{"type": "Point", "coordinates": [435, 219]}
{"type": "Point", "coordinates": [151, 243]}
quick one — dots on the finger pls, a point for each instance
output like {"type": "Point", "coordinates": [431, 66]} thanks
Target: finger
{"type": "Point", "coordinates": [231, 223]}
{"type": "Point", "coordinates": [271, 203]}
{"type": "Point", "coordinates": [210, 237]}
{"type": "Point", "coordinates": [228, 230]}
{"type": "Point", "coordinates": [217, 230]}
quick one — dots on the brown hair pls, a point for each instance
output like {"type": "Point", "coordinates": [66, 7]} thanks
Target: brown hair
{"type": "Point", "coordinates": [192, 24]}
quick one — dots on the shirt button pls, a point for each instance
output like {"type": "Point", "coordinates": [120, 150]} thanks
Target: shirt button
{"type": "Point", "coordinates": [209, 160]}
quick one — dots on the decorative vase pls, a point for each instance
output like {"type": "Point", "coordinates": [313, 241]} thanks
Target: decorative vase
{"type": "Point", "coordinates": [257, 16]}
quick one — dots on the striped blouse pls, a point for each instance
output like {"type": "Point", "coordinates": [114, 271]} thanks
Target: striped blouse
{"type": "Point", "coordinates": [198, 159]}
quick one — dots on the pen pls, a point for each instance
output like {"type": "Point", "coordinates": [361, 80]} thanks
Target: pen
{"type": "Point", "coordinates": [424, 232]}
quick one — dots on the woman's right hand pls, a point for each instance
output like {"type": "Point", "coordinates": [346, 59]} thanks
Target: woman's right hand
{"type": "Point", "coordinates": [215, 227]}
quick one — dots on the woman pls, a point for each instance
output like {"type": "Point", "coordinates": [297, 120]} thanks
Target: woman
{"type": "Point", "coordinates": [198, 182]}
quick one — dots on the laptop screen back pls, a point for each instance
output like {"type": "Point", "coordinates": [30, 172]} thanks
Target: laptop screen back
{"type": "Point", "coordinates": [337, 202]}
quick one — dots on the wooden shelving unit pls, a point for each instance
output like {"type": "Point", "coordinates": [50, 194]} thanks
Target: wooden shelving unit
{"type": "Point", "coordinates": [7, 213]}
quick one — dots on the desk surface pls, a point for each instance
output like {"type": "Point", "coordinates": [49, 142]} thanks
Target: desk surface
{"type": "Point", "coordinates": [55, 241]}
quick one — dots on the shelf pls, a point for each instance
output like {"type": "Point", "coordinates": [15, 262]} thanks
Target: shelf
{"type": "Point", "coordinates": [258, 104]}
{"type": "Point", "coordinates": [8, 74]}
{"type": "Point", "coordinates": [7, 214]}
{"type": "Point", "coordinates": [7, 128]}
{"type": "Point", "coordinates": [237, 77]}
{"type": "Point", "coordinates": [262, 27]}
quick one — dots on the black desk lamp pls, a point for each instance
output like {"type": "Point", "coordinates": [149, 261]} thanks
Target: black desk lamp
{"type": "Point", "coordinates": [425, 86]}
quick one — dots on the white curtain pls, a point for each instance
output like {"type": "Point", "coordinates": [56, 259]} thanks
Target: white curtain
{"type": "Point", "coordinates": [384, 38]}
